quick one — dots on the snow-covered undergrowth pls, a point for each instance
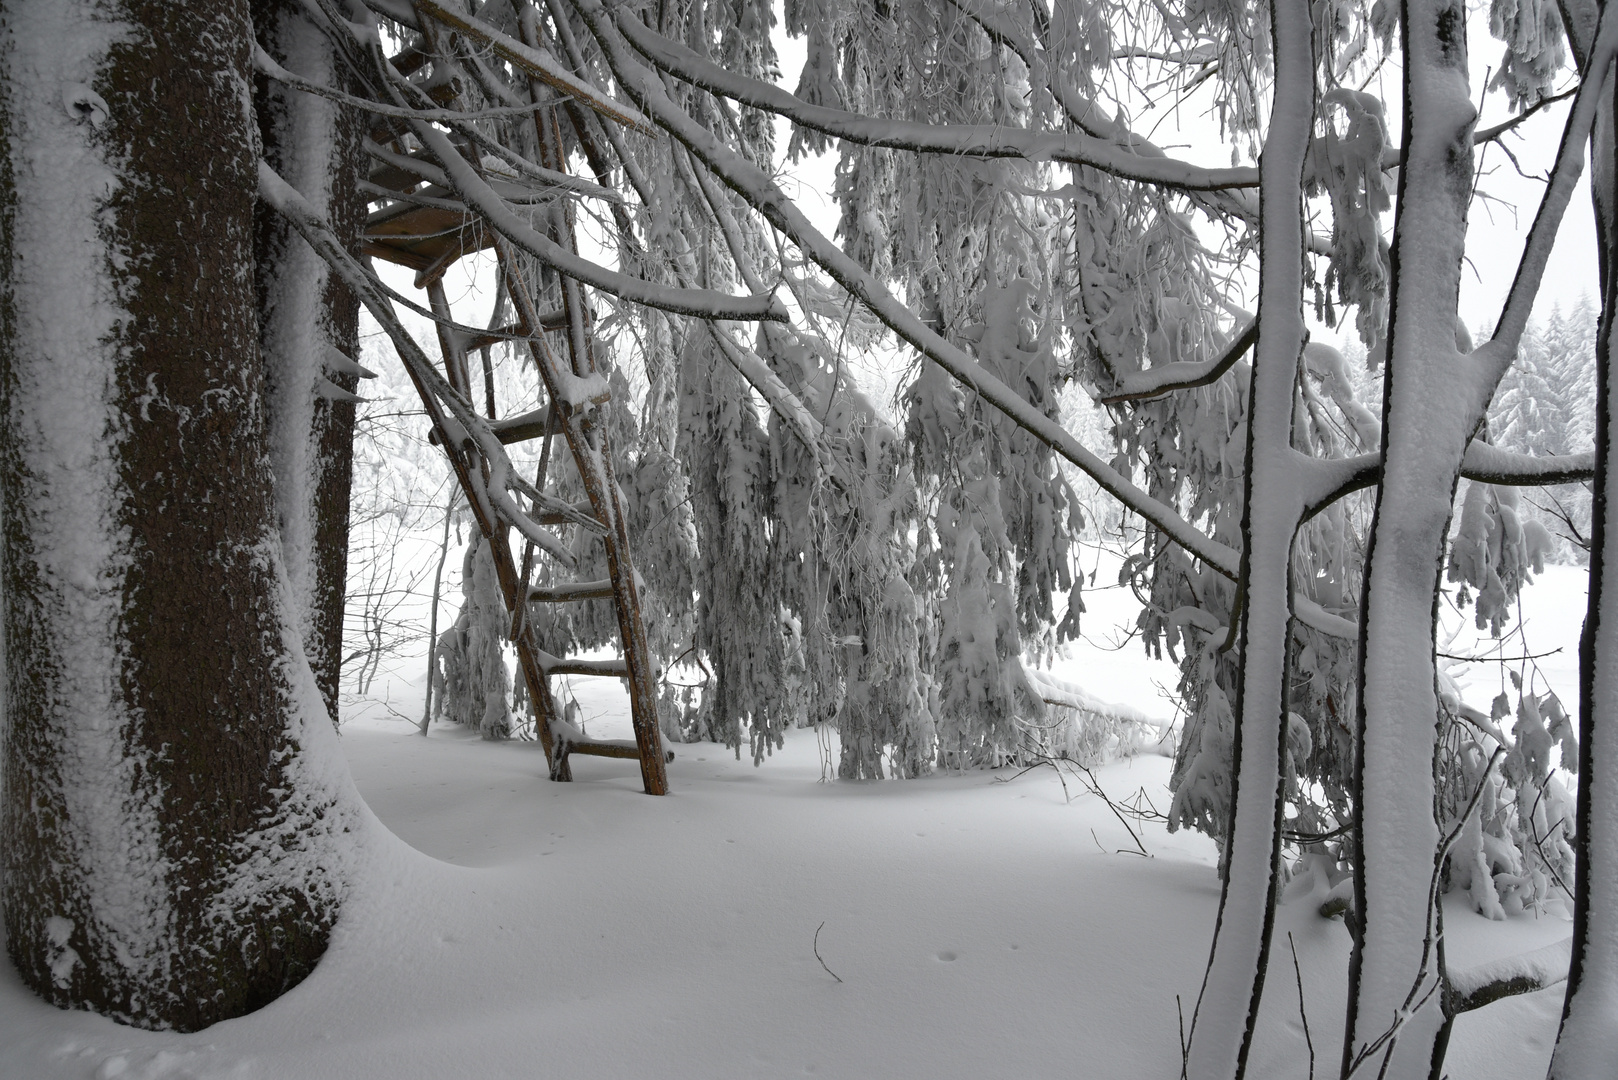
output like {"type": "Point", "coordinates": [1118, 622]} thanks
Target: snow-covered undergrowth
{"type": "Point", "coordinates": [981, 925]}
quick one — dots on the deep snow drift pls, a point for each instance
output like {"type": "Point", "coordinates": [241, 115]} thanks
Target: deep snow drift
{"type": "Point", "coordinates": [982, 924]}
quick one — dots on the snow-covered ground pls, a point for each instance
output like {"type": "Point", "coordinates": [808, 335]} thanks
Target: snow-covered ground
{"type": "Point", "coordinates": [982, 925]}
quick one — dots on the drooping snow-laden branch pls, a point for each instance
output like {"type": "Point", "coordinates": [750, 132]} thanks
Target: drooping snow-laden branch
{"type": "Point", "coordinates": [786, 404]}
{"type": "Point", "coordinates": [968, 140]}
{"type": "Point", "coordinates": [1232, 200]}
{"type": "Point", "coordinates": [458, 425]}
{"type": "Point", "coordinates": [1164, 379]}
{"type": "Point", "coordinates": [486, 202]}
{"type": "Point", "coordinates": [760, 191]}
{"type": "Point", "coordinates": [482, 199]}
{"type": "Point", "coordinates": [1236, 202]}
{"type": "Point", "coordinates": [537, 62]}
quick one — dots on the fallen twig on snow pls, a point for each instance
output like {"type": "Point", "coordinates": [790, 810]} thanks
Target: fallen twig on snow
{"type": "Point", "coordinates": [829, 971]}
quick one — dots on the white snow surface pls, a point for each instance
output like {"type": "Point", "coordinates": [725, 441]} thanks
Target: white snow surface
{"type": "Point", "coordinates": [504, 926]}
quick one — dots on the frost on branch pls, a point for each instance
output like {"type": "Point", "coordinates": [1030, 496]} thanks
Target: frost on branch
{"type": "Point", "coordinates": [1495, 552]}
{"type": "Point", "coordinates": [1346, 162]}
{"type": "Point", "coordinates": [473, 684]}
{"type": "Point", "coordinates": [1536, 50]}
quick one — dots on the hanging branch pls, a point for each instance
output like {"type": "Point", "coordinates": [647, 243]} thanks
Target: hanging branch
{"type": "Point", "coordinates": [761, 192]}
{"type": "Point", "coordinates": [461, 423]}
{"type": "Point", "coordinates": [965, 140]}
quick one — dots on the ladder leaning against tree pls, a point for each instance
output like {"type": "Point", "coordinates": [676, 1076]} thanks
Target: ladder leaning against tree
{"type": "Point", "coordinates": [423, 226]}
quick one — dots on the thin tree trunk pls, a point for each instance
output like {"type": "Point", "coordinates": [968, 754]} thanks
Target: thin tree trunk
{"type": "Point", "coordinates": [175, 842]}
{"type": "Point", "coordinates": [432, 622]}
{"type": "Point", "coordinates": [1587, 1044]}
{"type": "Point", "coordinates": [1227, 1009]}
{"type": "Point", "coordinates": [1394, 1006]}
{"type": "Point", "coordinates": [309, 324]}
{"type": "Point", "coordinates": [1435, 398]}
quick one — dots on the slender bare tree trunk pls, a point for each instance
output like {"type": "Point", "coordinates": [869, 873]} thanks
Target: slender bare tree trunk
{"type": "Point", "coordinates": [174, 830]}
{"type": "Point", "coordinates": [1394, 984]}
{"type": "Point", "coordinates": [309, 329]}
{"type": "Point", "coordinates": [1273, 494]}
{"type": "Point", "coordinates": [1587, 1044]}
{"type": "Point", "coordinates": [432, 622]}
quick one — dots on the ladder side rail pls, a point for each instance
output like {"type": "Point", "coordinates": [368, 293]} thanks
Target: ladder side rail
{"type": "Point", "coordinates": [588, 444]}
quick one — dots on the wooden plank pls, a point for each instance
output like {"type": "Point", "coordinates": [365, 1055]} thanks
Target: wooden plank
{"type": "Point", "coordinates": [514, 429]}
{"type": "Point", "coordinates": [612, 748]}
{"type": "Point", "coordinates": [570, 591]}
{"type": "Point", "coordinates": [556, 665]}
{"type": "Point", "coordinates": [424, 238]}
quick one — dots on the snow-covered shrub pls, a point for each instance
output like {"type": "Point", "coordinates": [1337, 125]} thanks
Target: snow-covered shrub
{"type": "Point", "coordinates": [1514, 851]}
{"type": "Point", "coordinates": [472, 685]}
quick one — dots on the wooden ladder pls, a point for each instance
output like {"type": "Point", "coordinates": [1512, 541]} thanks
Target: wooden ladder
{"type": "Point", "coordinates": [430, 239]}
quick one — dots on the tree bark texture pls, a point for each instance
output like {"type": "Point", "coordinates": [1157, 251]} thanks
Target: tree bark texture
{"type": "Point", "coordinates": [307, 313]}
{"type": "Point", "coordinates": [175, 813]}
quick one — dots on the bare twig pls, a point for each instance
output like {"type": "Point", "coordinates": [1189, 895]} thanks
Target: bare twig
{"type": "Point", "coordinates": [1298, 973]}
{"type": "Point", "coordinates": [829, 971]}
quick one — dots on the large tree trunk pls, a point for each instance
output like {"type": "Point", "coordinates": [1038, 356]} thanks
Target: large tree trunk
{"type": "Point", "coordinates": [309, 322]}
{"type": "Point", "coordinates": [175, 839]}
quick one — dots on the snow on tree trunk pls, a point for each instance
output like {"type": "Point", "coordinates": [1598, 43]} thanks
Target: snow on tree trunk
{"type": "Point", "coordinates": [175, 814]}
{"type": "Point", "coordinates": [309, 324]}
{"type": "Point", "coordinates": [1430, 412]}
{"type": "Point", "coordinates": [1587, 1044]}
{"type": "Point", "coordinates": [1222, 1027]}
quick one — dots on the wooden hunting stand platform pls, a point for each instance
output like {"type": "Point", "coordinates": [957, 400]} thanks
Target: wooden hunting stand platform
{"type": "Point", "coordinates": [427, 229]}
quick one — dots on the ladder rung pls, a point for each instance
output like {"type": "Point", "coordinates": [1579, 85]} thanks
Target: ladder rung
{"type": "Point", "coordinates": [523, 426]}
{"type": "Point", "coordinates": [618, 668]}
{"type": "Point", "coordinates": [513, 429]}
{"type": "Point", "coordinates": [573, 590]}
{"type": "Point", "coordinates": [614, 748]}
{"type": "Point", "coordinates": [556, 665]}
{"type": "Point", "coordinates": [563, 519]}
{"type": "Point", "coordinates": [554, 319]}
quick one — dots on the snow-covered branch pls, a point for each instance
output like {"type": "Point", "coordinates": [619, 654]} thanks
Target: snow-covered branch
{"type": "Point", "coordinates": [1476, 986]}
{"type": "Point", "coordinates": [760, 191]}
{"type": "Point", "coordinates": [1182, 374]}
{"type": "Point", "coordinates": [1558, 193]}
{"type": "Point", "coordinates": [537, 62]}
{"type": "Point", "coordinates": [968, 140]}
{"type": "Point", "coordinates": [461, 423]}
{"type": "Point", "coordinates": [486, 202]}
